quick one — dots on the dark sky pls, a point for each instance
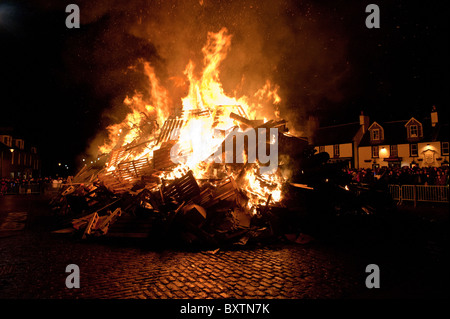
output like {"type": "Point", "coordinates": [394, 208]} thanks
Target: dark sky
{"type": "Point", "coordinates": [60, 87]}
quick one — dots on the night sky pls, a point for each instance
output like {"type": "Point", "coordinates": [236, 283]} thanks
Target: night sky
{"type": "Point", "coordinates": [60, 87]}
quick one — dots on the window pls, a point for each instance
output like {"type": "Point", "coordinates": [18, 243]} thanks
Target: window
{"type": "Point", "coordinates": [413, 131]}
{"type": "Point", "coordinates": [375, 134]}
{"type": "Point", "coordinates": [336, 150]}
{"type": "Point", "coordinates": [375, 151]}
{"type": "Point", "coordinates": [444, 148]}
{"type": "Point", "coordinates": [20, 144]}
{"type": "Point", "coordinates": [7, 140]}
{"type": "Point", "coordinates": [413, 150]}
{"type": "Point", "coordinates": [321, 149]}
{"type": "Point", "coordinates": [393, 151]}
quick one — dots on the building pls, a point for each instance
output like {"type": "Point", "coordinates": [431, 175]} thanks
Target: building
{"type": "Point", "coordinates": [341, 142]}
{"type": "Point", "coordinates": [17, 161]}
{"type": "Point", "coordinates": [410, 142]}
{"type": "Point", "coordinates": [366, 144]}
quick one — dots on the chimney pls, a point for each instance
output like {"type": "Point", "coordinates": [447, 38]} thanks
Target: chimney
{"type": "Point", "coordinates": [312, 126]}
{"type": "Point", "coordinates": [364, 121]}
{"type": "Point", "coordinates": [434, 116]}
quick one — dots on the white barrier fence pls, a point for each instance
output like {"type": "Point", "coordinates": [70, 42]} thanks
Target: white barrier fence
{"type": "Point", "coordinates": [419, 193]}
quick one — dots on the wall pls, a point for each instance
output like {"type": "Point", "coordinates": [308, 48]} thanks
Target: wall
{"type": "Point", "coordinates": [345, 151]}
{"type": "Point", "coordinates": [428, 153]}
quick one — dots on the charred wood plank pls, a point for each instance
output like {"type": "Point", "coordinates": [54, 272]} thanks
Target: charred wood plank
{"type": "Point", "coordinates": [183, 188]}
{"type": "Point", "coordinates": [241, 119]}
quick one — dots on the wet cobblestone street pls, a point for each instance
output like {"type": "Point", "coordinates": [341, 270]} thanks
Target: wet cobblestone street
{"type": "Point", "coordinates": [33, 263]}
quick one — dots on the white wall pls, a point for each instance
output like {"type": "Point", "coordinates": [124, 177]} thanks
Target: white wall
{"type": "Point", "coordinates": [345, 150]}
{"type": "Point", "coordinates": [428, 152]}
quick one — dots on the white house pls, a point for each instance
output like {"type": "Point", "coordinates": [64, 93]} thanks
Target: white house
{"type": "Point", "coordinates": [423, 143]}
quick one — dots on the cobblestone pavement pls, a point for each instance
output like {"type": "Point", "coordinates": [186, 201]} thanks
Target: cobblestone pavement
{"type": "Point", "coordinates": [33, 263]}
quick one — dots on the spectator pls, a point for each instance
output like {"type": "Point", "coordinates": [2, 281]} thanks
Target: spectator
{"type": "Point", "coordinates": [440, 178]}
{"type": "Point", "coordinates": [402, 176]}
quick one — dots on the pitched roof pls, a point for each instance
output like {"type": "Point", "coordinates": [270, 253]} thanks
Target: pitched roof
{"type": "Point", "coordinates": [395, 132]}
{"type": "Point", "coordinates": [337, 134]}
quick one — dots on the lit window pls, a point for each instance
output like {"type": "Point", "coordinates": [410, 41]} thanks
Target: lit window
{"type": "Point", "coordinates": [393, 151]}
{"type": "Point", "coordinates": [375, 151]}
{"type": "Point", "coordinates": [413, 131]}
{"type": "Point", "coordinates": [413, 150]}
{"type": "Point", "coordinates": [336, 151]}
{"type": "Point", "coordinates": [375, 134]}
{"type": "Point", "coordinates": [321, 149]}
{"type": "Point", "coordinates": [444, 148]}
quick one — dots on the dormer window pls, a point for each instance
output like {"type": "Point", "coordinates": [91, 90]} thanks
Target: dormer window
{"type": "Point", "coordinates": [376, 134]}
{"type": "Point", "coordinates": [413, 131]}
{"type": "Point", "coordinates": [6, 139]}
{"type": "Point", "coordinates": [19, 144]}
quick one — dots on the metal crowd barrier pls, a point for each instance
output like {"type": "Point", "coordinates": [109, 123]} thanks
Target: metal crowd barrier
{"type": "Point", "coordinates": [420, 193]}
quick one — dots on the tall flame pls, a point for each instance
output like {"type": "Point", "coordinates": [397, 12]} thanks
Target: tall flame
{"type": "Point", "coordinates": [197, 136]}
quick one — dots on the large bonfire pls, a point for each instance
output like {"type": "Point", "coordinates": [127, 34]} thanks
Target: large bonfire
{"type": "Point", "coordinates": [159, 158]}
{"type": "Point", "coordinates": [205, 111]}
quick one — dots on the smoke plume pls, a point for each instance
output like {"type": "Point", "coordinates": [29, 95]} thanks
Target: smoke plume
{"type": "Point", "coordinates": [297, 46]}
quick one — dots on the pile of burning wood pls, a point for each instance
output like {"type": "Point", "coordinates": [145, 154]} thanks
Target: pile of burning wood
{"type": "Point", "coordinates": [195, 179]}
{"type": "Point", "coordinates": [151, 196]}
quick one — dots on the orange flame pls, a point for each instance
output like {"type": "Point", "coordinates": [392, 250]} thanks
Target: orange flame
{"type": "Point", "coordinates": [205, 96]}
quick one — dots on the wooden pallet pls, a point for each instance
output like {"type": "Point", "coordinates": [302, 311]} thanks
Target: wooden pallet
{"type": "Point", "coordinates": [170, 130]}
{"type": "Point", "coordinates": [161, 157]}
{"type": "Point", "coordinates": [183, 188]}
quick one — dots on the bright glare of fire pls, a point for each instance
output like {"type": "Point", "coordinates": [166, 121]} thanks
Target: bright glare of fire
{"type": "Point", "coordinates": [205, 94]}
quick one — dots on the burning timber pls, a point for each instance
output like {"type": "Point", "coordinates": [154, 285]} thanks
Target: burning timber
{"type": "Point", "coordinates": [208, 174]}
{"type": "Point", "coordinates": [154, 197]}
{"type": "Point", "coordinates": [124, 195]}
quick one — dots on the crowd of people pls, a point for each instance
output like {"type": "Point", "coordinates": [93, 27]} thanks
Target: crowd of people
{"type": "Point", "coordinates": [388, 175]}
{"type": "Point", "coordinates": [34, 185]}
{"type": "Point", "coordinates": [402, 176]}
